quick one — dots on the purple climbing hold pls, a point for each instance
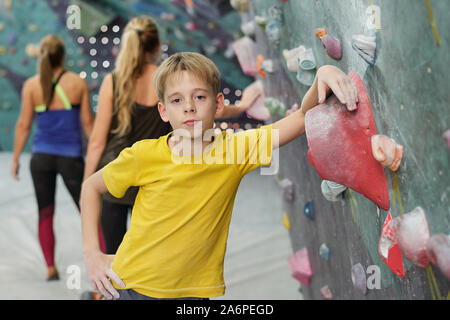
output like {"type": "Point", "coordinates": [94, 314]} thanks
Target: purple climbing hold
{"type": "Point", "coordinates": [446, 137]}
{"type": "Point", "coordinates": [332, 46]}
{"type": "Point", "coordinates": [12, 37]}
{"type": "Point", "coordinates": [359, 278]}
{"type": "Point", "coordinates": [287, 188]}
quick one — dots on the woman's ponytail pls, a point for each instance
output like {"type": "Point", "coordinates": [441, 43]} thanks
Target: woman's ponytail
{"type": "Point", "coordinates": [51, 56]}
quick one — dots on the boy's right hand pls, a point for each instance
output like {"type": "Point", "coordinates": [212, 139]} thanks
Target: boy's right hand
{"type": "Point", "coordinates": [100, 273]}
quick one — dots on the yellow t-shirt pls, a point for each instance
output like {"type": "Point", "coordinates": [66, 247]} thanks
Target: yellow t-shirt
{"type": "Point", "coordinates": [176, 242]}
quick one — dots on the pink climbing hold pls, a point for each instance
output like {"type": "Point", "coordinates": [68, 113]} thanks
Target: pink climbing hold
{"type": "Point", "coordinates": [359, 278]}
{"type": "Point", "coordinates": [388, 247]}
{"type": "Point", "coordinates": [438, 251]}
{"type": "Point", "coordinates": [244, 49]}
{"type": "Point", "coordinates": [300, 266]}
{"type": "Point", "coordinates": [258, 110]}
{"type": "Point", "coordinates": [413, 236]}
{"type": "Point", "coordinates": [326, 293]}
{"type": "Point", "coordinates": [332, 46]}
{"type": "Point", "coordinates": [446, 137]}
{"type": "Point", "coordinates": [340, 147]}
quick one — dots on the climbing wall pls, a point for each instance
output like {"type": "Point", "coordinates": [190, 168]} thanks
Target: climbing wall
{"type": "Point", "coordinates": [408, 91]}
{"type": "Point", "coordinates": [209, 27]}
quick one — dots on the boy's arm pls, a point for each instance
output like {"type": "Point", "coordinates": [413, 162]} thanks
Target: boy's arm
{"type": "Point", "coordinates": [249, 96]}
{"type": "Point", "coordinates": [328, 78]}
{"type": "Point", "coordinates": [98, 265]}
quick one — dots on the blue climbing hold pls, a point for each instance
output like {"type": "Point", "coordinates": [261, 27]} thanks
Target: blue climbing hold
{"type": "Point", "coordinates": [324, 252]}
{"type": "Point", "coordinates": [309, 210]}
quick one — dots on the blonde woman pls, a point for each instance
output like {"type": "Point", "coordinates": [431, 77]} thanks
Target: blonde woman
{"type": "Point", "coordinates": [58, 100]}
{"type": "Point", "coordinates": [127, 112]}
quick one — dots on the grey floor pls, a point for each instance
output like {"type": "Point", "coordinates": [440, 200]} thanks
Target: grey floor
{"type": "Point", "coordinates": [256, 261]}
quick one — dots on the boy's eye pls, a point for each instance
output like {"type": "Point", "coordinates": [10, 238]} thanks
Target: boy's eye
{"type": "Point", "coordinates": [200, 97]}
{"type": "Point", "coordinates": [175, 100]}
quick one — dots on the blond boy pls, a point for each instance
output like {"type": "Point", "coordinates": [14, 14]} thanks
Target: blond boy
{"type": "Point", "coordinates": [188, 180]}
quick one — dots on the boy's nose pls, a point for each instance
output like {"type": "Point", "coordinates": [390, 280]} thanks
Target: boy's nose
{"type": "Point", "coordinates": [189, 107]}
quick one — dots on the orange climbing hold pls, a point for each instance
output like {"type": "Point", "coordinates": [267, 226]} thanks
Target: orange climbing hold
{"type": "Point", "coordinates": [386, 151]}
{"type": "Point", "coordinates": [259, 61]}
{"type": "Point", "coordinates": [320, 32]}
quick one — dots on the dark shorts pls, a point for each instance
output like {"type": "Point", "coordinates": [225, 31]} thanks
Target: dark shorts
{"type": "Point", "coordinates": [130, 294]}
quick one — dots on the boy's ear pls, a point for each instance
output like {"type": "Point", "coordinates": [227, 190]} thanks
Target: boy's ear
{"type": "Point", "coordinates": [162, 112]}
{"type": "Point", "coordinates": [220, 104]}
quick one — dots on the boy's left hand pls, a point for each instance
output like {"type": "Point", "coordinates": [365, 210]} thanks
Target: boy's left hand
{"type": "Point", "coordinates": [332, 78]}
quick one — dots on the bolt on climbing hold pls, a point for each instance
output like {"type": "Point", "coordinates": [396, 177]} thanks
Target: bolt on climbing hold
{"type": "Point", "coordinates": [386, 151]}
{"type": "Point", "coordinates": [308, 210]}
{"type": "Point", "coordinates": [388, 248]}
{"type": "Point", "coordinates": [305, 77]}
{"type": "Point", "coordinates": [292, 109]}
{"type": "Point", "coordinates": [326, 293]}
{"type": "Point", "coordinates": [331, 190]}
{"type": "Point", "coordinates": [438, 252]}
{"type": "Point", "coordinates": [292, 57]}
{"type": "Point", "coordinates": [258, 109]}
{"type": "Point", "coordinates": [264, 65]}
{"type": "Point", "coordinates": [286, 222]}
{"type": "Point", "coordinates": [446, 137]}
{"type": "Point", "coordinates": [239, 5]}
{"type": "Point", "coordinates": [331, 44]}
{"type": "Point", "coordinates": [413, 236]}
{"type": "Point", "coordinates": [332, 47]}
{"type": "Point", "coordinates": [319, 33]}
{"type": "Point", "coordinates": [287, 188]}
{"type": "Point", "coordinates": [249, 28]}
{"type": "Point", "coordinates": [359, 278]}
{"type": "Point", "coordinates": [273, 32]}
{"type": "Point", "coordinates": [260, 21]}
{"type": "Point", "coordinates": [300, 266]}
{"type": "Point", "coordinates": [244, 49]}
{"type": "Point", "coordinates": [306, 59]}
{"type": "Point", "coordinates": [366, 47]}
{"type": "Point", "coordinates": [324, 252]}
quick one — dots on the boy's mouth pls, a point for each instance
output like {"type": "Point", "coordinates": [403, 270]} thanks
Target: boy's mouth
{"type": "Point", "coordinates": [190, 123]}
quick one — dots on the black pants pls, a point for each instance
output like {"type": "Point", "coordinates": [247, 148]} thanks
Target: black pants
{"type": "Point", "coordinates": [44, 169]}
{"type": "Point", "coordinates": [114, 224]}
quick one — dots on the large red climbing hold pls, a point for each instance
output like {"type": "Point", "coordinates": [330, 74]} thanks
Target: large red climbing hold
{"type": "Point", "coordinates": [388, 247]}
{"type": "Point", "coordinates": [300, 266]}
{"type": "Point", "coordinates": [340, 146]}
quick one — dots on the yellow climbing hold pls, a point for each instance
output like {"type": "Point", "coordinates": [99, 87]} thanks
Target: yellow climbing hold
{"type": "Point", "coordinates": [286, 222]}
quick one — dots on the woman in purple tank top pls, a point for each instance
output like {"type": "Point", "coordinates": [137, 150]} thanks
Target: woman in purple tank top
{"type": "Point", "coordinates": [58, 101]}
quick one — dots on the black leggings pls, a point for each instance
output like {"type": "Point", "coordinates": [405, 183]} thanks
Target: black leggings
{"type": "Point", "coordinates": [114, 224]}
{"type": "Point", "coordinates": [44, 169]}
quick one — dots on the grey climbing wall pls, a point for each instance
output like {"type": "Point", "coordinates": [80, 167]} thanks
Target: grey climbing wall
{"type": "Point", "coordinates": [409, 93]}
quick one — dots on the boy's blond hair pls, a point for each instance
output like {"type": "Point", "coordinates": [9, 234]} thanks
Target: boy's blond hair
{"type": "Point", "coordinates": [193, 62]}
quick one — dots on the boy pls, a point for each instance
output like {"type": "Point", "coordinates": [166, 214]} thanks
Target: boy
{"type": "Point", "coordinates": [176, 242]}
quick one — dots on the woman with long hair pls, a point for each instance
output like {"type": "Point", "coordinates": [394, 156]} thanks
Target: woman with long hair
{"type": "Point", "coordinates": [59, 102]}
